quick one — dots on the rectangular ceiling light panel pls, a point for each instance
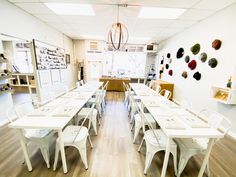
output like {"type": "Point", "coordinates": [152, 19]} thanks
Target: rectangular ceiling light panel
{"type": "Point", "coordinates": [71, 9]}
{"type": "Point", "coordinates": [160, 13]}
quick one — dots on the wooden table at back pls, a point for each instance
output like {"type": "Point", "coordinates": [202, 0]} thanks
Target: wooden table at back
{"type": "Point", "coordinates": [115, 83]}
{"type": "Point", "coordinates": [164, 110]}
{"type": "Point", "coordinates": [56, 119]}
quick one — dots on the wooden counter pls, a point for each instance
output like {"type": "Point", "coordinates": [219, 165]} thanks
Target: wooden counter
{"type": "Point", "coordinates": [115, 84]}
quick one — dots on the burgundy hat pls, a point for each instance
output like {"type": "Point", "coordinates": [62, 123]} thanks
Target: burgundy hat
{"type": "Point", "coordinates": [192, 64]}
{"type": "Point", "coordinates": [170, 72]}
{"type": "Point", "coordinates": [216, 44]}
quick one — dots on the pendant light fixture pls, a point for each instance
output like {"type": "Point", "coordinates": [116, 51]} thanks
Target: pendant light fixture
{"type": "Point", "coordinates": [118, 34]}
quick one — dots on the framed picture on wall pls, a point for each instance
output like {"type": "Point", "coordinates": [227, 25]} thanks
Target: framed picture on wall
{"type": "Point", "coordinates": [67, 59]}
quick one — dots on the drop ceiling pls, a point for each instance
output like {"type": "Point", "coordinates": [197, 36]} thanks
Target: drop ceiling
{"type": "Point", "coordinates": [97, 26]}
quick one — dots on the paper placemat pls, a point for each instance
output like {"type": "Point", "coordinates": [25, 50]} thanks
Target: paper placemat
{"type": "Point", "coordinates": [43, 111]}
{"type": "Point", "coordinates": [194, 122]}
{"type": "Point", "coordinates": [64, 112]}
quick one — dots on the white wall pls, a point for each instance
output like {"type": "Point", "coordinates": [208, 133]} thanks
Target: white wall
{"type": "Point", "coordinates": [220, 26]}
{"type": "Point", "coordinates": [18, 23]}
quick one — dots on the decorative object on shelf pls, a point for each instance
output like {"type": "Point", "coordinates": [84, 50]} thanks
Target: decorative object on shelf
{"type": "Point", "coordinates": [197, 76]}
{"type": "Point", "coordinates": [229, 83]}
{"type": "Point", "coordinates": [5, 87]}
{"type": "Point", "coordinates": [187, 59]}
{"type": "Point", "coordinates": [180, 53]}
{"type": "Point", "coordinates": [195, 49]}
{"type": "Point", "coordinates": [203, 57]}
{"type": "Point", "coordinates": [223, 94]}
{"type": "Point", "coordinates": [67, 59]}
{"type": "Point", "coordinates": [118, 34]}
{"type": "Point", "coordinates": [212, 62]}
{"type": "Point", "coordinates": [192, 64]}
{"type": "Point", "coordinates": [216, 44]}
{"type": "Point", "coordinates": [2, 57]}
{"type": "Point", "coordinates": [184, 75]}
{"type": "Point", "coordinates": [167, 66]}
{"type": "Point", "coordinates": [4, 73]}
{"type": "Point", "coordinates": [170, 72]}
{"type": "Point", "coordinates": [168, 55]}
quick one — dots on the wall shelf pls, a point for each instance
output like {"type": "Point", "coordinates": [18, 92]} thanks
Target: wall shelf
{"type": "Point", "coordinates": [5, 77]}
{"type": "Point", "coordinates": [223, 95]}
{"type": "Point", "coordinates": [7, 91]}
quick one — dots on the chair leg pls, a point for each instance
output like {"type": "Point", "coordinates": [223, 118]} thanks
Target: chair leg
{"type": "Point", "coordinates": [94, 123]}
{"type": "Point", "coordinates": [149, 157]}
{"type": "Point", "coordinates": [140, 145]}
{"type": "Point", "coordinates": [56, 157]}
{"type": "Point", "coordinates": [137, 127]}
{"type": "Point", "coordinates": [45, 152]}
{"type": "Point", "coordinates": [83, 155]}
{"type": "Point", "coordinates": [90, 142]}
{"type": "Point", "coordinates": [182, 162]}
{"type": "Point", "coordinates": [208, 170]}
{"type": "Point", "coordinates": [174, 153]}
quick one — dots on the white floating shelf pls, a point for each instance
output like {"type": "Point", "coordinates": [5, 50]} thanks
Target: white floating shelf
{"type": "Point", "coordinates": [223, 95]}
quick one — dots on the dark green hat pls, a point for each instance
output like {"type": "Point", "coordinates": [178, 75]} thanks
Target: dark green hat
{"type": "Point", "coordinates": [212, 62]}
{"type": "Point", "coordinates": [187, 58]}
{"type": "Point", "coordinates": [203, 57]}
{"type": "Point", "coordinates": [195, 49]}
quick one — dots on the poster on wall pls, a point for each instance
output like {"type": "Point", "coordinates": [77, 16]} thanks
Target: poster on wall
{"type": "Point", "coordinates": [63, 75]}
{"type": "Point", "coordinates": [44, 78]}
{"type": "Point", "coordinates": [48, 56]}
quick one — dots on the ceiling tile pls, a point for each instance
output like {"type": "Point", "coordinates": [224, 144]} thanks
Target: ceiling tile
{"type": "Point", "coordinates": [181, 23]}
{"type": "Point", "coordinates": [194, 14]}
{"type": "Point", "coordinates": [48, 18]}
{"type": "Point", "coordinates": [213, 4]}
{"type": "Point", "coordinates": [34, 8]}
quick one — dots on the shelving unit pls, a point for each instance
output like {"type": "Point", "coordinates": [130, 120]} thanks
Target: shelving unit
{"type": "Point", "coordinates": [4, 79]}
{"type": "Point", "coordinates": [23, 80]}
{"type": "Point", "coordinates": [223, 95]}
{"type": "Point", "coordinates": [7, 91]}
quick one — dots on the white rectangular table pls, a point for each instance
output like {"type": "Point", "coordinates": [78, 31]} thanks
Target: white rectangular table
{"type": "Point", "coordinates": [164, 111]}
{"type": "Point", "coordinates": [56, 119]}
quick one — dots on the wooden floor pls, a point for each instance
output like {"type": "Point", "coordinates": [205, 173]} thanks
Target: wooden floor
{"type": "Point", "coordinates": [113, 155]}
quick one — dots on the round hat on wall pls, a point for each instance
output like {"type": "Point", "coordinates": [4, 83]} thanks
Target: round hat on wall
{"type": "Point", "coordinates": [180, 53]}
{"type": "Point", "coordinates": [169, 60]}
{"type": "Point", "coordinates": [184, 74]}
{"type": "Point", "coordinates": [168, 55]}
{"type": "Point", "coordinates": [197, 76]}
{"type": "Point", "coordinates": [170, 72]}
{"type": "Point", "coordinates": [162, 62]}
{"type": "Point", "coordinates": [195, 49]}
{"type": "Point", "coordinates": [187, 59]}
{"type": "Point", "coordinates": [167, 66]}
{"type": "Point", "coordinates": [216, 44]}
{"type": "Point", "coordinates": [212, 62]}
{"type": "Point", "coordinates": [203, 57]}
{"type": "Point", "coordinates": [192, 64]}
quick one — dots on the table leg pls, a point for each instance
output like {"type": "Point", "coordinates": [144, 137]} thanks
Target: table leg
{"type": "Point", "coordinates": [63, 156]}
{"type": "Point", "coordinates": [166, 159]}
{"type": "Point", "coordinates": [24, 148]}
{"type": "Point", "coordinates": [207, 155]}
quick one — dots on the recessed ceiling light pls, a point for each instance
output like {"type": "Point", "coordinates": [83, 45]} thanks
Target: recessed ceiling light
{"type": "Point", "coordinates": [160, 13]}
{"type": "Point", "coordinates": [71, 9]}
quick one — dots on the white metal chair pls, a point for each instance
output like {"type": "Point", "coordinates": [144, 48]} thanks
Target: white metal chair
{"type": "Point", "coordinates": [192, 146]}
{"type": "Point", "coordinates": [40, 137]}
{"type": "Point", "coordinates": [93, 117]}
{"type": "Point", "coordinates": [166, 93]}
{"type": "Point", "coordinates": [76, 136]}
{"type": "Point", "coordinates": [156, 141]}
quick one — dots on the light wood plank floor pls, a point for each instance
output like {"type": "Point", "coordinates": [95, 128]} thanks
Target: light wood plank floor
{"type": "Point", "coordinates": [113, 155]}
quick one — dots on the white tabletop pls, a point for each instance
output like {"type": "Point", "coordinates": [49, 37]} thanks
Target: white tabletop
{"type": "Point", "coordinates": [57, 113]}
{"type": "Point", "coordinates": [173, 120]}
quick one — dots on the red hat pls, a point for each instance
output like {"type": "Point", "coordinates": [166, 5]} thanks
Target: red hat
{"type": "Point", "coordinates": [170, 72]}
{"type": "Point", "coordinates": [192, 64]}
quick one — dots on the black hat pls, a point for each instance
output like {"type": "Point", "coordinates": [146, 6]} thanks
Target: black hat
{"type": "Point", "coordinates": [184, 74]}
{"type": "Point", "coordinates": [203, 57]}
{"type": "Point", "coordinates": [195, 49]}
{"type": "Point", "coordinates": [216, 44]}
{"type": "Point", "coordinates": [167, 66]}
{"type": "Point", "coordinates": [180, 53]}
{"type": "Point", "coordinates": [212, 62]}
{"type": "Point", "coordinates": [168, 55]}
{"type": "Point", "coordinates": [162, 62]}
{"type": "Point", "coordinates": [197, 76]}
{"type": "Point", "coordinates": [187, 58]}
